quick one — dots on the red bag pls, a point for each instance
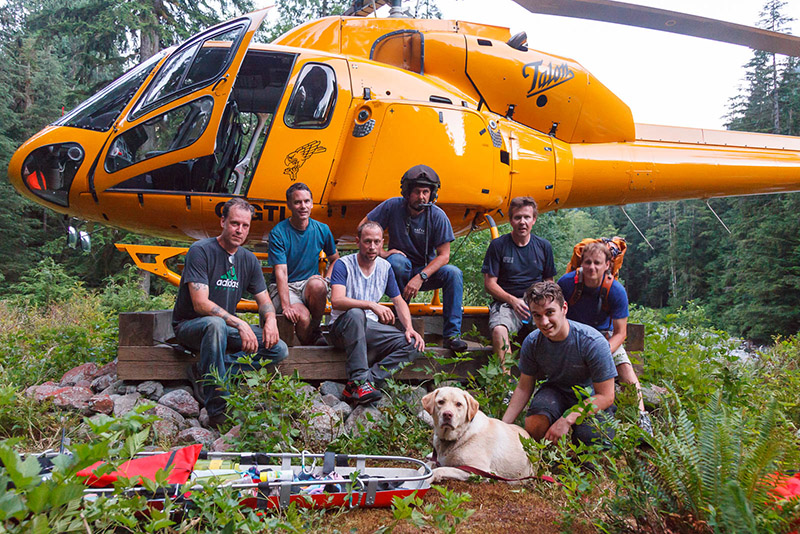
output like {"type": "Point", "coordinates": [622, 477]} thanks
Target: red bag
{"type": "Point", "coordinates": [180, 461]}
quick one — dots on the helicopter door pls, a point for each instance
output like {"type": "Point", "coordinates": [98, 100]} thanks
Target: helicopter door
{"type": "Point", "coordinates": [182, 136]}
{"type": "Point", "coordinates": [305, 135]}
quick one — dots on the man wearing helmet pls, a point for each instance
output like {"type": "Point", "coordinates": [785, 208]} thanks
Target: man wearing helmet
{"type": "Point", "coordinates": [419, 246]}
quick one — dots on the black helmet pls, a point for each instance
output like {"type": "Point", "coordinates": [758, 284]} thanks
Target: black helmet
{"type": "Point", "coordinates": [420, 175]}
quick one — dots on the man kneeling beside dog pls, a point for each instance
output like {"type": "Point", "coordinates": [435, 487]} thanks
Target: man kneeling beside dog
{"type": "Point", "coordinates": [567, 355]}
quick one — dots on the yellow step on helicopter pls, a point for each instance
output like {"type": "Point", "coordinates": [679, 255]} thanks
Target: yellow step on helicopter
{"type": "Point", "coordinates": [347, 104]}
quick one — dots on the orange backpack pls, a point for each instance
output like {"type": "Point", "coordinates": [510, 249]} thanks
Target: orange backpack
{"type": "Point", "coordinates": [616, 245]}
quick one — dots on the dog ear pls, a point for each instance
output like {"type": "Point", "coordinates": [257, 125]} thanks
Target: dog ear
{"type": "Point", "coordinates": [427, 401]}
{"type": "Point", "coordinates": [472, 406]}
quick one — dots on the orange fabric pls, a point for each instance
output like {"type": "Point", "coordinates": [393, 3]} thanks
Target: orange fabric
{"type": "Point", "coordinates": [181, 465]}
{"type": "Point", "coordinates": [616, 244]}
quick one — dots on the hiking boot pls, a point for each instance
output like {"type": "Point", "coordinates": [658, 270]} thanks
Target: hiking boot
{"type": "Point", "coordinates": [456, 344]}
{"type": "Point", "coordinates": [194, 376]}
{"type": "Point", "coordinates": [645, 423]}
{"type": "Point", "coordinates": [361, 392]}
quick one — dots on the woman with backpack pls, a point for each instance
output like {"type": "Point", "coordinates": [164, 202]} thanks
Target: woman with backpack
{"type": "Point", "coordinates": [596, 299]}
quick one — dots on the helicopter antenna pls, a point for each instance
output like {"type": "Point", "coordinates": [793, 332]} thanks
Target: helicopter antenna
{"type": "Point", "coordinates": [717, 216]}
{"type": "Point", "coordinates": [637, 228]}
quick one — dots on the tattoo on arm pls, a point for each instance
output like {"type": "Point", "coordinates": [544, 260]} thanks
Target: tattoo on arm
{"type": "Point", "coordinates": [263, 310]}
{"type": "Point", "coordinates": [219, 312]}
{"type": "Point", "coordinates": [197, 286]}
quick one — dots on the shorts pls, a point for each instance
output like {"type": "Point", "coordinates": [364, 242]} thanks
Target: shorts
{"type": "Point", "coordinates": [552, 403]}
{"type": "Point", "coordinates": [296, 293]}
{"type": "Point", "coordinates": [619, 355]}
{"type": "Point", "coordinates": [502, 314]}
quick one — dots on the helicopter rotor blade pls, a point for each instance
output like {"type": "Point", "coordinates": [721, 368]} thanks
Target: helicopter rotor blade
{"type": "Point", "coordinates": [668, 21]}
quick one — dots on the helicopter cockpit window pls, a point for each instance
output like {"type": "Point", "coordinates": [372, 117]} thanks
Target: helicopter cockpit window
{"type": "Point", "coordinates": [190, 67]}
{"type": "Point", "coordinates": [403, 48]}
{"type": "Point", "coordinates": [314, 98]}
{"type": "Point", "coordinates": [101, 111]}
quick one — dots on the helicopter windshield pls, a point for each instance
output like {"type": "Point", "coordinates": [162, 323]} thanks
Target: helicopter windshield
{"type": "Point", "coordinates": [101, 110]}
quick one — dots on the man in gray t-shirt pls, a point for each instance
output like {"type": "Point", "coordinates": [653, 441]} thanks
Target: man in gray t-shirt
{"type": "Point", "coordinates": [567, 355]}
{"type": "Point", "coordinates": [216, 272]}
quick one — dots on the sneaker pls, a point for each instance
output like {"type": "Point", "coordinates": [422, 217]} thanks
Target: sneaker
{"type": "Point", "coordinates": [645, 423]}
{"type": "Point", "coordinates": [361, 393]}
{"type": "Point", "coordinates": [456, 344]}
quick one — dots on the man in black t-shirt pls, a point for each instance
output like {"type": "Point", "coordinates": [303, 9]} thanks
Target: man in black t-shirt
{"type": "Point", "coordinates": [513, 263]}
{"type": "Point", "coordinates": [216, 272]}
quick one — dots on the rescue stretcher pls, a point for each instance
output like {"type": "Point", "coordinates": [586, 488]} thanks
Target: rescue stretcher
{"type": "Point", "coordinates": [270, 480]}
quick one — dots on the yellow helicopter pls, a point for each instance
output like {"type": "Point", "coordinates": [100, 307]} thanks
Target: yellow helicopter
{"type": "Point", "coordinates": [347, 104]}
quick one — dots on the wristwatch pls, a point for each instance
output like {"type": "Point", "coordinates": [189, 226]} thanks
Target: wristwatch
{"type": "Point", "coordinates": [423, 275]}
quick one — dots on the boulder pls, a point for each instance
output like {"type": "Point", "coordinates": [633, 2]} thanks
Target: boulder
{"type": "Point", "coordinates": [102, 383]}
{"type": "Point", "coordinates": [165, 430]}
{"type": "Point", "coordinates": [87, 371]}
{"type": "Point", "coordinates": [125, 403]}
{"type": "Point", "coordinates": [331, 400]}
{"type": "Point", "coordinates": [331, 388]}
{"type": "Point", "coordinates": [343, 410]}
{"type": "Point", "coordinates": [151, 389]}
{"type": "Point", "coordinates": [101, 404]}
{"type": "Point", "coordinates": [361, 416]}
{"type": "Point", "coordinates": [654, 395]}
{"type": "Point", "coordinates": [75, 398]}
{"type": "Point", "coordinates": [182, 402]}
{"type": "Point", "coordinates": [42, 391]}
{"type": "Point", "coordinates": [225, 443]}
{"type": "Point", "coordinates": [168, 414]}
{"type": "Point", "coordinates": [198, 435]}
{"type": "Point", "coordinates": [109, 369]}
{"type": "Point", "coordinates": [325, 426]}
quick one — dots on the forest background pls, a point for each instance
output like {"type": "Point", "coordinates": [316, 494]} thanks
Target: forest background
{"type": "Point", "coordinates": [56, 53]}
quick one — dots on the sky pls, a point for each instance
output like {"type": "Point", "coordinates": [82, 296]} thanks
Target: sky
{"type": "Point", "coordinates": [664, 78]}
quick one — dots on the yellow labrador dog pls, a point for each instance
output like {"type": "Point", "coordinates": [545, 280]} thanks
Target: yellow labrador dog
{"type": "Point", "coordinates": [464, 435]}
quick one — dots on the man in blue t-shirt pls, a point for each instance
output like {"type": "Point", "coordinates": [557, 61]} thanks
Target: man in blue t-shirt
{"type": "Point", "coordinates": [608, 313]}
{"type": "Point", "coordinates": [296, 287]}
{"type": "Point", "coordinates": [419, 247]}
{"type": "Point", "coordinates": [513, 263]}
{"type": "Point", "coordinates": [568, 355]}
{"type": "Point", "coordinates": [217, 270]}
{"type": "Point", "coordinates": [362, 326]}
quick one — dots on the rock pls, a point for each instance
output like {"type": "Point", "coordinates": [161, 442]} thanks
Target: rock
{"type": "Point", "coordinates": [168, 414]}
{"type": "Point", "coordinates": [225, 443]}
{"type": "Point", "coordinates": [151, 389]}
{"type": "Point", "coordinates": [383, 402]}
{"type": "Point", "coordinates": [165, 430]}
{"type": "Point", "coordinates": [87, 371]}
{"type": "Point", "coordinates": [76, 398]}
{"type": "Point", "coordinates": [187, 389]}
{"type": "Point", "coordinates": [203, 417]}
{"type": "Point", "coordinates": [331, 388]}
{"type": "Point", "coordinates": [325, 426]}
{"type": "Point", "coordinates": [182, 402]}
{"type": "Point", "coordinates": [84, 384]}
{"type": "Point", "coordinates": [413, 396]}
{"type": "Point", "coordinates": [359, 416]}
{"type": "Point", "coordinates": [308, 390]}
{"type": "Point", "coordinates": [101, 404]}
{"type": "Point", "coordinates": [654, 395]}
{"type": "Point", "coordinates": [343, 410]}
{"type": "Point", "coordinates": [127, 389]}
{"type": "Point", "coordinates": [192, 422]}
{"type": "Point", "coordinates": [42, 391]}
{"type": "Point", "coordinates": [331, 400]}
{"type": "Point", "coordinates": [425, 417]}
{"type": "Point", "coordinates": [102, 383]}
{"type": "Point", "coordinates": [125, 403]}
{"type": "Point", "coordinates": [109, 369]}
{"type": "Point", "coordinates": [198, 435]}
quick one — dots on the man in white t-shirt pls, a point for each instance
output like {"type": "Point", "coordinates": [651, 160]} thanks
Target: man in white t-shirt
{"type": "Point", "coordinates": [365, 328]}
